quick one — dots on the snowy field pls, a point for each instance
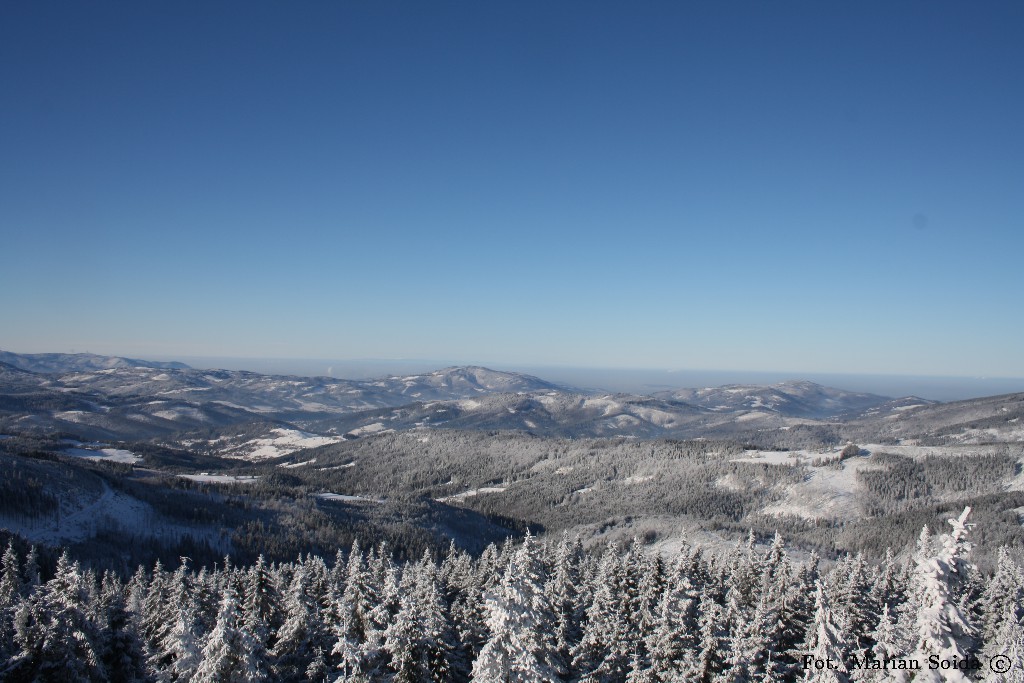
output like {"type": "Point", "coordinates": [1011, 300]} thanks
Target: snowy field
{"type": "Point", "coordinates": [220, 478]}
{"type": "Point", "coordinates": [471, 493]}
{"type": "Point", "coordinates": [84, 513]}
{"type": "Point", "coordinates": [280, 442]}
{"type": "Point", "coordinates": [832, 491]}
{"type": "Point", "coordinates": [96, 451]}
{"type": "Point", "coordinates": [348, 499]}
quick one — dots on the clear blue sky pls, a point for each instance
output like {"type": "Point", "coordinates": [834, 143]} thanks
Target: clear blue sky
{"type": "Point", "coordinates": [797, 186]}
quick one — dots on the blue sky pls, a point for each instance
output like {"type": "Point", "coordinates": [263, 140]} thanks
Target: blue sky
{"type": "Point", "coordinates": [800, 187]}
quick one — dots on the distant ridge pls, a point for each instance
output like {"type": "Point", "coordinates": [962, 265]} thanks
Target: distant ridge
{"type": "Point", "coordinates": [56, 363]}
{"type": "Point", "coordinates": [793, 398]}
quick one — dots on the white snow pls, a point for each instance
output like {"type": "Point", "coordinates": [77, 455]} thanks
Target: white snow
{"type": "Point", "coordinates": [220, 478]}
{"type": "Point", "coordinates": [280, 442]}
{"type": "Point", "coordinates": [82, 513]}
{"type": "Point", "coordinates": [831, 492]}
{"type": "Point", "coordinates": [368, 429]}
{"type": "Point", "coordinates": [471, 493]}
{"type": "Point", "coordinates": [289, 465]}
{"type": "Point", "coordinates": [336, 467]}
{"type": "Point", "coordinates": [654, 416]}
{"type": "Point", "coordinates": [182, 413]}
{"type": "Point", "coordinates": [108, 454]}
{"type": "Point", "coordinates": [348, 499]}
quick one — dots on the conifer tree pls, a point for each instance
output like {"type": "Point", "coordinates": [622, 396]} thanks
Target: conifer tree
{"type": "Point", "coordinates": [520, 647]}
{"type": "Point", "coordinates": [825, 644]}
{"type": "Point", "coordinates": [227, 655]}
{"type": "Point", "coordinates": [1010, 648]}
{"type": "Point", "coordinates": [419, 641]}
{"type": "Point", "coordinates": [943, 629]}
{"type": "Point", "coordinates": [10, 595]}
{"type": "Point", "coordinates": [120, 648]}
{"type": "Point", "coordinates": [1001, 601]}
{"type": "Point", "coordinates": [710, 659]}
{"type": "Point", "coordinates": [606, 649]}
{"type": "Point", "coordinates": [673, 638]}
{"type": "Point", "coordinates": [300, 633]}
{"type": "Point", "coordinates": [55, 638]}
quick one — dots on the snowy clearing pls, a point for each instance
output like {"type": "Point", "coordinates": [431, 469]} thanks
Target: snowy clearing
{"type": "Point", "coordinates": [368, 429]}
{"type": "Point", "coordinates": [220, 478]}
{"type": "Point", "coordinates": [289, 465]}
{"type": "Point", "coordinates": [348, 499]}
{"type": "Point", "coordinates": [280, 442]}
{"type": "Point", "coordinates": [108, 454]}
{"type": "Point", "coordinates": [471, 493]}
{"type": "Point", "coordinates": [831, 492]}
{"type": "Point", "coordinates": [337, 467]}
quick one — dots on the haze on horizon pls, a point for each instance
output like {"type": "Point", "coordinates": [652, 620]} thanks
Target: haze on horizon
{"type": "Point", "coordinates": [806, 188]}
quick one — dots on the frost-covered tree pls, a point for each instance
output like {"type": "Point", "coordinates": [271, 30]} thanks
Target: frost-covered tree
{"type": "Point", "coordinates": [520, 620]}
{"type": "Point", "coordinates": [10, 594]}
{"type": "Point", "coordinates": [55, 637]}
{"type": "Point", "coordinates": [420, 642]}
{"type": "Point", "coordinates": [563, 592]}
{"type": "Point", "coordinates": [1002, 600]}
{"type": "Point", "coordinates": [119, 645]}
{"type": "Point", "coordinates": [711, 653]}
{"type": "Point", "coordinates": [943, 628]}
{"type": "Point", "coordinates": [228, 653]}
{"type": "Point", "coordinates": [1009, 647]}
{"type": "Point", "coordinates": [826, 647]}
{"type": "Point", "coordinates": [301, 631]}
{"type": "Point", "coordinates": [606, 650]}
{"type": "Point", "coordinates": [672, 640]}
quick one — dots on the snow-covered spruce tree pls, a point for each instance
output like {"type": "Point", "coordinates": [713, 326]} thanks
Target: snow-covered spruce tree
{"type": "Point", "coordinates": [382, 614]}
{"type": "Point", "coordinates": [907, 612]}
{"type": "Point", "coordinates": [520, 620]}
{"type": "Point", "coordinates": [301, 631]}
{"type": "Point", "coordinates": [10, 595]}
{"type": "Point", "coordinates": [563, 593]}
{"type": "Point", "coordinates": [119, 644]}
{"type": "Point", "coordinates": [167, 599]}
{"type": "Point", "coordinates": [420, 641]}
{"type": "Point", "coordinates": [467, 611]}
{"type": "Point", "coordinates": [709, 662]}
{"type": "Point", "coordinates": [56, 640]}
{"type": "Point", "coordinates": [852, 608]}
{"type": "Point", "coordinates": [227, 655]}
{"type": "Point", "coordinates": [352, 613]}
{"type": "Point", "coordinates": [262, 614]}
{"type": "Point", "coordinates": [31, 575]}
{"type": "Point", "coordinates": [179, 652]}
{"type": "Point", "coordinates": [673, 638]}
{"type": "Point", "coordinates": [155, 614]}
{"type": "Point", "coordinates": [943, 629]}
{"type": "Point", "coordinates": [1009, 644]}
{"type": "Point", "coordinates": [605, 652]}
{"type": "Point", "coordinates": [826, 648]}
{"type": "Point", "coordinates": [1001, 601]}
{"type": "Point", "coordinates": [887, 588]}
